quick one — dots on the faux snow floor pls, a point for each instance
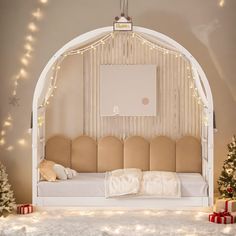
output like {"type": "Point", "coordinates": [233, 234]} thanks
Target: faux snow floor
{"type": "Point", "coordinates": [74, 221]}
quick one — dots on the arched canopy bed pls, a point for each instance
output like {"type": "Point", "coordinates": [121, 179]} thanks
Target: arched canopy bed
{"type": "Point", "coordinates": [175, 135]}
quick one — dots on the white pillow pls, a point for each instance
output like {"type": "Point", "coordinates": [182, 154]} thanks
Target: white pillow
{"type": "Point", "coordinates": [70, 173]}
{"type": "Point", "coordinates": [63, 173]}
{"type": "Point", "coordinates": [60, 171]}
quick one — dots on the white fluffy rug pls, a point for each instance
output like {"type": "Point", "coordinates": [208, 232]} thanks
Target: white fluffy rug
{"type": "Point", "coordinates": [112, 222]}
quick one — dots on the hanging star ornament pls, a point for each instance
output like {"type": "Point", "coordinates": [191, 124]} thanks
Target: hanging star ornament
{"type": "Point", "coordinates": [14, 101]}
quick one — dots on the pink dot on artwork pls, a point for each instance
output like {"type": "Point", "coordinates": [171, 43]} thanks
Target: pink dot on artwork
{"type": "Point", "coordinates": [145, 101]}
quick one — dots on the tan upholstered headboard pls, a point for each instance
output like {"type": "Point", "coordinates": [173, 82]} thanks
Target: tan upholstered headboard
{"type": "Point", "coordinates": [136, 153]}
{"type": "Point", "coordinates": [84, 154]}
{"type": "Point", "coordinates": [162, 154]}
{"type": "Point", "coordinates": [110, 154]}
{"type": "Point", "coordinates": [188, 151]}
{"type": "Point", "coordinates": [58, 149]}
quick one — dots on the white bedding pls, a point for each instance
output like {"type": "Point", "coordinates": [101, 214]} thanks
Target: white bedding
{"type": "Point", "coordinates": [161, 184]}
{"type": "Point", "coordinates": [92, 185]}
{"type": "Point", "coordinates": [122, 182]}
{"type": "Point", "coordinates": [134, 182]}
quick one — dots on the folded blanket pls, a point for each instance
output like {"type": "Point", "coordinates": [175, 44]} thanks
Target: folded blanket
{"type": "Point", "coordinates": [160, 184]}
{"type": "Point", "coordinates": [122, 182]}
{"type": "Point", "coordinates": [133, 181]}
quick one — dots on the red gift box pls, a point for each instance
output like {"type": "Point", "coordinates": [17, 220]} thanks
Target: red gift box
{"type": "Point", "coordinates": [221, 218]}
{"type": "Point", "coordinates": [24, 209]}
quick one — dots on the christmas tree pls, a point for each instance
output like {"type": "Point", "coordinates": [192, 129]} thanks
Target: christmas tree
{"type": "Point", "coordinates": [7, 201]}
{"type": "Point", "coordinates": [227, 179]}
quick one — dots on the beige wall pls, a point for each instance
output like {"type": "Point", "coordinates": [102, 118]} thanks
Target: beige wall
{"type": "Point", "coordinates": [66, 105]}
{"type": "Point", "coordinates": [204, 28]}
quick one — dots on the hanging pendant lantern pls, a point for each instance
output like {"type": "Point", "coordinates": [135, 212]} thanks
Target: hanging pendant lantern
{"type": "Point", "coordinates": [123, 23]}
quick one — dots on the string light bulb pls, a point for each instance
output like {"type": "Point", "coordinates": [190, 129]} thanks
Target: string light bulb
{"type": "Point", "coordinates": [28, 55]}
{"type": "Point", "coordinates": [44, 1]}
{"type": "Point", "coordinates": [23, 73]}
{"type": "Point", "coordinates": [24, 61]}
{"type": "Point", "coordinates": [32, 27]}
{"type": "Point", "coordinates": [221, 3]}
{"type": "Point", "coordinates": [37, 14]}
{"type": "Point", "coordinates": [3, 132]}
{"type": "Point", "coordinates": [22, 142]}
{"type": "Point", "coordinates": [7, 123]}
{"type": "Point", "coordinates": [40, 121]}
{"type": "Point", "coordinates": [2, 141]}
{"type": "Point", "coordinates": [30, 38]}
{"type": "Point", "coordinates": [28, 47]}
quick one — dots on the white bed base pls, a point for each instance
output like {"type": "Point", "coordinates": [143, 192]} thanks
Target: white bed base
{"type": "Point", "coordinates": [130, 203]}
{"type": "Point", "coordinates": [38, 140]}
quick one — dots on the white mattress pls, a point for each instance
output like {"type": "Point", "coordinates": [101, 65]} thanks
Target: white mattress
{"type": "Point", "coordinates": [92, 185]}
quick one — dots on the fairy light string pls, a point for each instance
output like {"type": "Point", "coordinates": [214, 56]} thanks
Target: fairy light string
{"type": "Point", "coordinates": [102, 41]}
{"type": "Point", "coordinates": [23, 72]}
{"type": "Point", "coordinates": [30, 39]}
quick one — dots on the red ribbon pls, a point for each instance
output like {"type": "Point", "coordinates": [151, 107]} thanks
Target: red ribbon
{"type": "Point", "coordinates": [25, 205]}
{"type": "Point", "coordinates": [219, 216]}
{"type": "Point", "coordinates": [226, 205]}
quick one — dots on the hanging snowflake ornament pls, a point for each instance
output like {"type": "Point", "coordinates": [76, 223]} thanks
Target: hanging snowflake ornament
{"type": "Point", "coordinates": [14, 101]}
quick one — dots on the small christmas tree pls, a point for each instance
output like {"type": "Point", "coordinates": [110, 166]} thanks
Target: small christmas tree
{"type": "Point", "coordinates": [227, 179]}
{"type": "Point", "coordinates": [7, 200]}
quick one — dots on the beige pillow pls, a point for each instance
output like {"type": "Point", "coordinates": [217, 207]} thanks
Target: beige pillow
{"type": "Point", "coordinates": [46, 170]}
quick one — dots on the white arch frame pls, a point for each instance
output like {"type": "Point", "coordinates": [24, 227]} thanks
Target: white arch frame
{"type": "Point", "coordinates": [200, 79]}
